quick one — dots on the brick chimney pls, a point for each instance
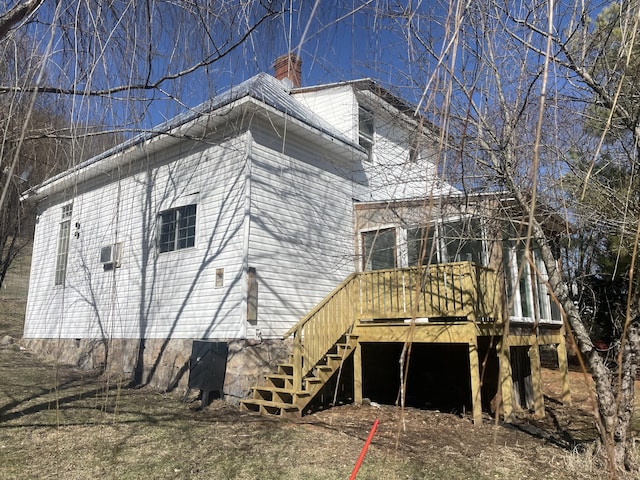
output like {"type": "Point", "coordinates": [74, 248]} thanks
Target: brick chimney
{"type": "Point", "coordinates": [288, 68]}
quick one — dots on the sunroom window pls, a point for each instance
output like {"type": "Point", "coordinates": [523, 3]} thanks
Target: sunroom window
{"type": "Point", "coordinates": [456, 241]}
{"type": "Point", "coordinates": [379, 249]}
{"type": "Point", "coordinates": [527, 290]}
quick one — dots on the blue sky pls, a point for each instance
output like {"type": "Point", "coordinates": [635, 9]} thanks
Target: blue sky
{"type": "Point", "coordinates": [337, 40]}
{"type": "Point", "coordinates": [334, 43]}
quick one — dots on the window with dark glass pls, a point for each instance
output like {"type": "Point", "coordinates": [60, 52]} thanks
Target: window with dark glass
{"type": "Point", "coordinates": [463, 241]}
{"type": "Point", "coordinates": [416, 144]}
{"type": "Point", "coordinates": [459, 241]}
{"type": "Point", "coordinates": [421, 248]}
{"type": "Point", "coordinates": [379, 249]}
{"type": "Point", "coordinates": [365, 129]}
{"type": "Point", "coordinates": [177, 228]}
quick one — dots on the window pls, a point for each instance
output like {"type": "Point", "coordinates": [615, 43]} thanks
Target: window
{"type": "Point", "coordinates": [379, 249]}
{"type": "Point", "coordinates": [177, 228]}
{"type": "Point", "coordinates": [457, 241]}
{"type": "Point", "coordinates": [463, 241]}
{"type": "Point", "coordinates": [528, 293]}
{"type": "Point", "coordinates": [365, 130]}
{"type": "Point", "coordinates": [414, 147]}
{"type": "Point", "coordinates": [63, 245]}
{"type": "Point", "coordinates": [420, 246]}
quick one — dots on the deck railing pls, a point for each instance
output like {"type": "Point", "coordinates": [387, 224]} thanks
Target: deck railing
{"type": "Point", "coordinates": [448, 290]}
{"type": "Point", "coordinates": [452, 290]}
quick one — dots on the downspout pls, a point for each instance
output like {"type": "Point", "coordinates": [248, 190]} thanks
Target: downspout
{"type": "Point", "coordinates": [246, 234]}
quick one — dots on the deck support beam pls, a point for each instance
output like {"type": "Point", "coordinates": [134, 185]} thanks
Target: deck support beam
{"type": "Point", "coordinates": [563, 366]}
{"type": "Point", "coordinates": [357, 374]}
{"type": "Point", "coordinates": [474, 371]}
{"type": "Point", "coordinates": [506, 380]}
{"type": "Point", "coordinates": [536, 377]}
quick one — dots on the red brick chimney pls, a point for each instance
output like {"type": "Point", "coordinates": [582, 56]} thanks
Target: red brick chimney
{"type": "Point", "coordinates": [289, 67]}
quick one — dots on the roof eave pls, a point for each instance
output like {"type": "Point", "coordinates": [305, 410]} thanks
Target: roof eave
{"type": "Point", "coordinates": [152, 142]}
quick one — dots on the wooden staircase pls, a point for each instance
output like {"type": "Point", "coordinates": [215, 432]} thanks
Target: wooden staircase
{"type": "Point", "coordinates": [278, 395]}
{"type": "Point", "coordinates": [324, 338]}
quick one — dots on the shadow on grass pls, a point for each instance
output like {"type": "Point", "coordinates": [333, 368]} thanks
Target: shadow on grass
{"type": "Point", "coordinates": [562, 426]}
{"type": "Point", "coordinates": [8, 412]}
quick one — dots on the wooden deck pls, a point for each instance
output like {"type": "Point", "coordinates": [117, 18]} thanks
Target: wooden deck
{"type": "Point", "coordinates": [453, 303]}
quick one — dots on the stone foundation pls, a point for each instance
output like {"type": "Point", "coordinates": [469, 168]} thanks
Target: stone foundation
{"type": "Point", "coordinates": [166, 362]}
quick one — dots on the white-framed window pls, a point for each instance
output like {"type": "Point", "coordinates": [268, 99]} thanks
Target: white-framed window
{"type": "Point", "coordinates": [527, 289]}
{"type": "Point", "coordinates": [366, 130]}
{"type": "Point", "coordinates": [448, 241]}
{"type": "Point", "coordinates": [177, 228]}
{"type": "Point", "coordinates": [379, 249]}
{"type": "Point", "coordinates": [62, 254]}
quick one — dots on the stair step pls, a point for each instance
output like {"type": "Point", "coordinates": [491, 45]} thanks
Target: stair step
{"type": "Point", "coordinates": [269, 407]}
{"type": "Point", "coordinates": [335, 357]}
{"type": "Point", "coordinates": [280, 380]}
{"type": "Point", "coordinates": [344, 346]}
{"type": "Point", "coordinates": [325, 368]}
{"type": "Point", "coordinates": [278, 397]}
{"type": "Point", "coordinates": [285, 369]}
{"type": "Point", "coordinates": [283, 395]}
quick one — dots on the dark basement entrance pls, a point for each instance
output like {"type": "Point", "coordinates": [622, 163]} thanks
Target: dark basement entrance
{"type": "Point", "coordinates": [438, 376]}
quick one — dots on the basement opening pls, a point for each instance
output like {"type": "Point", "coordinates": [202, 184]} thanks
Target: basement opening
{"type": "Point", "coordinates": [438, 376]}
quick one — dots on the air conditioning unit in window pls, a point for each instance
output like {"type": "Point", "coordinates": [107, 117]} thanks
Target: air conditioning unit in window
{"type": "Point", "coordinates": [110, 255]}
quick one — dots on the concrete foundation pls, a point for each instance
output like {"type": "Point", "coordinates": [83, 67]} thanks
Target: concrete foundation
{"type": "Point", "coordinates": [165, 362]}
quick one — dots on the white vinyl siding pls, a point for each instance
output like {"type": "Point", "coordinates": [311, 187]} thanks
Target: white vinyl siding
{"type": "Point", "coordinates": [292, 221]}
{"type": "Point", "coordinates": [301, 229]}
{"type": "Point", "coordinates": [336, 105]}
{"type": "Point", "coordinates": [391, 175]}
{"type": "Point", "coordinates": [151, 295]}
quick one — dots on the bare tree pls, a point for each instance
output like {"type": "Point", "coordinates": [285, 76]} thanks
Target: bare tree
{"type": "Point", "coordinates": [517, 87]}
{"type": "Point", "coordinates": [76, 77]}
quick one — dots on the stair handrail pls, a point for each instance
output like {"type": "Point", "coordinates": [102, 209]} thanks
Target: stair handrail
{"type": "Point", "coordinates": [320, 305]}
{"type": "Point", "coordinates": [304, 361]}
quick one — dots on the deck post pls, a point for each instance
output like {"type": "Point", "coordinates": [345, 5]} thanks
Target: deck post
{"type": "Point", "coordinates": [357, 374]}
{"type": "Point", "coordinates": [563, 366]}
{"type": "Point", "coordinates": [297, 361]}
{"type": "Point", "coordinates": [506, 380]}
{"type": "Point", "coordinates": [536, 376]}
{"type": "Point", "coordinates": [474, 371]}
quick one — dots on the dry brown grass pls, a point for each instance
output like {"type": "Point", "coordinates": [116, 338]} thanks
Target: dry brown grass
{"type": "Point", "coordinates": [56, 422]}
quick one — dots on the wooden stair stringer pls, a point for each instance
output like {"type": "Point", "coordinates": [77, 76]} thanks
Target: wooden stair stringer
{"type": "Point", "coordinates": [276, 395]}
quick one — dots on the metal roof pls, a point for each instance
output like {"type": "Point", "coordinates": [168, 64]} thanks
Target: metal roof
{"type": "Point", "coordinates": [263, 88]}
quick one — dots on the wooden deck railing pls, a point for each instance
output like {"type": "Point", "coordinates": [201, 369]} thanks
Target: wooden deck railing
{"type": "Point", "coordinates": [452, 290]}
{"type": "Point", "coordinates": [447, 290]}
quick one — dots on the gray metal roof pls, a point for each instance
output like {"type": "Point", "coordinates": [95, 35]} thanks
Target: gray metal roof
{"type": "Point", "coordinates": [263, 87]}
{"type": "Point", "coordinates": [266, 89]}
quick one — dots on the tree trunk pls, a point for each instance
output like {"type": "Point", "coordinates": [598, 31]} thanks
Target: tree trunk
{"type": "Point", "coordinates": [625, 378]}
{"type": "Point", "coordinates": [614, 390]}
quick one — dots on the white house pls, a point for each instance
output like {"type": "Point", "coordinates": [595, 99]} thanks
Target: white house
{"type": "Point", "coordinates": [228, 224]}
